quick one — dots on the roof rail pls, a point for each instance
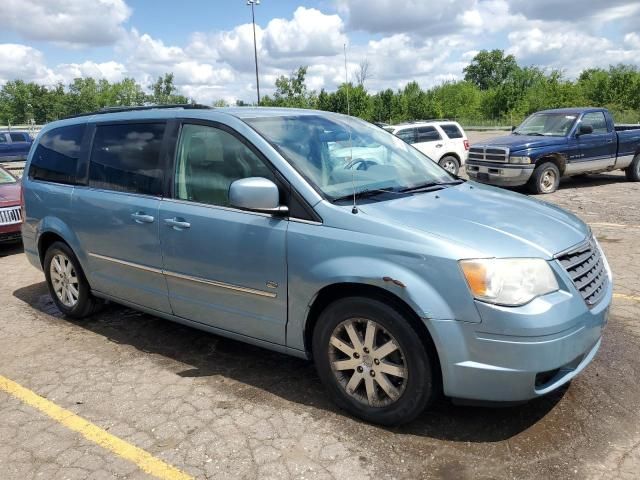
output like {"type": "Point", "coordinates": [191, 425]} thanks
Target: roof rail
{"type": "Point", "coordinates": [186, 106]}
{"type": "Point", "coordinates": [431, 120]}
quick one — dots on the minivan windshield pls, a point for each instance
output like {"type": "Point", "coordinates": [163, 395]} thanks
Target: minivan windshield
{"type": "Point", "coordinates": [343, 155]}
{"type": "Point", "coordinates": [6, 177]}
{"type": "Point", "coordinates": [548, 124]}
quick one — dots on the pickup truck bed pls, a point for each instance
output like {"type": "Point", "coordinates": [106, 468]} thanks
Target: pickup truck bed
{"type": "Point", "coordinates": [555, 143]}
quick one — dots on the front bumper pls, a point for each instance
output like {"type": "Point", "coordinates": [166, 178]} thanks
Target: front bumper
{"type": "Point", "coordinates": [517, 354]}
{"type": "Point", "coordinates": [10, 233]}
{"type": "Point", "coordinates": [502, 175]}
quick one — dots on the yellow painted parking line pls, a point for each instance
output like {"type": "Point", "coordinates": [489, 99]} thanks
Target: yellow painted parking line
{"type": "Point", "coordinates": [147, 462]}
{"type": "Point", "coordinates": [626, 297]}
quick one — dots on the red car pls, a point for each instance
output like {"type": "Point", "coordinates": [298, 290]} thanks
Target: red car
{"type": "Point", "coordinates": [10, 214]}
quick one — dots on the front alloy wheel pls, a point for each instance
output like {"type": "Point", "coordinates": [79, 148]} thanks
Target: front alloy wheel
{"type": "Point", "coordinates": [367, 362]}
{"type": "Point", "coordinates": [373, 361]}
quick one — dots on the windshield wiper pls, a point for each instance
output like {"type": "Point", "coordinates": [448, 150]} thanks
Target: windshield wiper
{"type": "Point", "coordinates": [430, 185]}
{"type": "Point", "coordinates": [535, 134]}
{"type": "Point", "coordinates": [366, 193]}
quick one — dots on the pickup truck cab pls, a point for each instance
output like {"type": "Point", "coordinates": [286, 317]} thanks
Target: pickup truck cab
{"type": "Point", "coordinates": [555, 143]}
{"type": "Point", "coordinates": [14, 146]}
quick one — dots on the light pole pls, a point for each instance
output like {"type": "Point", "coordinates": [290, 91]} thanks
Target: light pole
{"type": "Point", "coordinates": [255, 44]}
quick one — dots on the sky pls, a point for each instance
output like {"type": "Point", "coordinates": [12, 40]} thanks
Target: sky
{"type": "Point", "coordinates": [208, 44]}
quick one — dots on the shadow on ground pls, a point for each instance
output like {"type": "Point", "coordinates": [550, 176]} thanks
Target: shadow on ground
{"type": "Point", "coordinates": [11, 248]}
{"type": "Point", "coordinates": [288, 377]}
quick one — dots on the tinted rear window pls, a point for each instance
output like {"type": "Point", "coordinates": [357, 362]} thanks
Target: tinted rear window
{"type": "Point", "coordinates": [428, 134]}
{"type": "Point", "coordinates": [18, 137]}
{"type": "Point", "coordinates": [451, 130]}
{"type": "Point", "coordinates": [126, 158]}
{"type": "Point", "coordinates": [56, 156]}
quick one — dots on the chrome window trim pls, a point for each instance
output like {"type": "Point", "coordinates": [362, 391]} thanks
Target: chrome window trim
{"type": "Point", "coordinates": [239, 210]}
{"type": "Point", "coordinates": [214, 283]}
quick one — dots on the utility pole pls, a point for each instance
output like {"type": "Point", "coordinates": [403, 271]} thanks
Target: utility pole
{"type": "Point", "coordinates": [255, 44]}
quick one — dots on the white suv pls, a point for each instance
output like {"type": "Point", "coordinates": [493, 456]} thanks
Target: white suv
{"type": "Point", "coordinates": [442, 141]}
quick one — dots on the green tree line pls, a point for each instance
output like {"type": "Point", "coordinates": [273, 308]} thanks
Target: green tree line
{"type": "Point", "coordinates": [495, 89]}
{"type": "Point", "coordinates": [22, 102]}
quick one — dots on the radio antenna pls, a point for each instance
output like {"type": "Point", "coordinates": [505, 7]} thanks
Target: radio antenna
{"type": "Point", "coordinates": [354, 210]}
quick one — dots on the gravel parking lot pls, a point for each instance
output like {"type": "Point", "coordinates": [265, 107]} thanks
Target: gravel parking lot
{"type": "Point", "coordinates": [216, 408]}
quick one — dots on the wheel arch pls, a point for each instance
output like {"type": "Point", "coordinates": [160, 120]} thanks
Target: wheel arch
{"type": "Point", "coordinates": [53, 229]}
{"type": "Point", "coordinates": [337, 291]}
{"type": "Point", "coordinates": [558, 159]}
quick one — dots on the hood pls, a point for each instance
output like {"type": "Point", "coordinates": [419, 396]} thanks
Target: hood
{"type": "Point", "coordinates": [491, 221]}
{"type": "Point", "coordinates": [9, 194]}
{"type": "Point", "coordinates": [521, 142]}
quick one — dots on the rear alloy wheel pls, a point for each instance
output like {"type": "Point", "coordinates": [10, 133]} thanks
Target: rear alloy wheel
{"type": "Point", "coordinates": [372, 361]}
{"type": "Point", "coordinates": [450, 164]}
{"type": "Point", "coordinates": [67, 284]}
{"type": "Point", "coordinates": [545, 178]}
{"type": "Point", "coordinates": [633, 170]}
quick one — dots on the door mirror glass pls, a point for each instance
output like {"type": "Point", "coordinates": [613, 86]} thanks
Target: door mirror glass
{"type": "Point", "coordinates": [256, 193]}
{"type": "Point", "coordinates": [585, 130]}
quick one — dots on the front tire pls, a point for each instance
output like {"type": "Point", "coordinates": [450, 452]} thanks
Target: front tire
{"type": "Point", "coordinates": [450, 164]}
{"type": "Point", "coordinates": [545, 178]}
{"type": "Point", "coordinates": [633, 170]}
{"type": "Point", "coordinates": [67, 283]}
{"type": "Point", "coordinates": [372, 362]}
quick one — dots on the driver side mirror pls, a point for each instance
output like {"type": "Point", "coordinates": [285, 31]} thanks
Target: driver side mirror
{"type": "Point", "coordinates": [585, 130]}
{"type": "Point", "coordinates": [257, 194]}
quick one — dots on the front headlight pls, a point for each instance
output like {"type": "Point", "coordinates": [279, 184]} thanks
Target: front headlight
{"type": "Point", "coordinates": [509, 281]}
{"type": "Point", "coordinates": [520, 160]}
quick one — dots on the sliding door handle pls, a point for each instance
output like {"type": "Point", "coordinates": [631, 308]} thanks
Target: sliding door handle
{"type": "Point", "coordinates": [176, 223]}
{"type": "Point", "coordinates": [141, 217]}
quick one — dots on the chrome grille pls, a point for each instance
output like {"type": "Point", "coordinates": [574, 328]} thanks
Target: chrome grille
{"type": "Point", "coordinates": [10, 215]}
{"type": "Point", "coordinates": [585, 266]}
{"type": "Point", "coordinates": [489, 154]}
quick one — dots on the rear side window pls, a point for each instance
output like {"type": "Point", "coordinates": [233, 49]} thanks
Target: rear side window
{"type": "Point", "coordinates": [18, 137]}
{"type": "Point", "coordinates": [56, 156]}
{"type": "Point", "coordinates": [451, 130]}
{"type": "Point", "coordinates": [126, 158]}
{"type": "Point", "coordinates": [408, 135]}
{"type": "Point", "coordinates": [428, 134]}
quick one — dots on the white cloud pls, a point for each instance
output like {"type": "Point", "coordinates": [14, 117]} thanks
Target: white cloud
{"type": "Point", "coordinates": [391, 16]}
{"type": "Point", "coordinates": [64, 22]}
{"type": "Point", "coordinates": [25, 63]}
{"type": "Point", "coordinates": [310, 32]}
{"type": "Point", "coordinates": [111, 71]}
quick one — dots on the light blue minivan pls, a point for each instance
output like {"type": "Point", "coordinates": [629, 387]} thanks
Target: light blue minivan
{"type": "Point", "coordinates": [321, 236]}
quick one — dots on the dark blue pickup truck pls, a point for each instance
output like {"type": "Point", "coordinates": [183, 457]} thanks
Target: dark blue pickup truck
{"type": "Point", "coordinates": [555, 143]}
{"type": "Point", "coordinates": [14, 145]}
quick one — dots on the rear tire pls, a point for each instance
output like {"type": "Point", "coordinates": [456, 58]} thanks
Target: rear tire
{"type": "Point", "coordinates": [386, 375]}
{"type": "Point", "coordinates": [633, 170]}
{"type": "Point", "coordinates": [545, 178]}
{"type": "Point", "coordinates": [67, 283]}
{"type": "Point", "coordinates": [450, 164]}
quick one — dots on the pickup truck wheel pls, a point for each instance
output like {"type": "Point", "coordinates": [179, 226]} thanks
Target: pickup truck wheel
{"type": "Point", "coordinates": [67, 284]}
{"type": "Point", "coordinates": [545, 178]}
{"type": "Point", "coordinates": [633, 170]}
{"type": "Point", "coordinates": [372, 362]}
{"type": "Point", "coordinates": [450, 164]}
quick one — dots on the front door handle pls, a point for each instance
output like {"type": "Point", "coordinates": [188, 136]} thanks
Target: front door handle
{"type": "Point", "coordinates": [439, 145]}
{"type": "Point", "coordinates": [176, 223]}
{"type": "Point", "coordinates": [141, 217]}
